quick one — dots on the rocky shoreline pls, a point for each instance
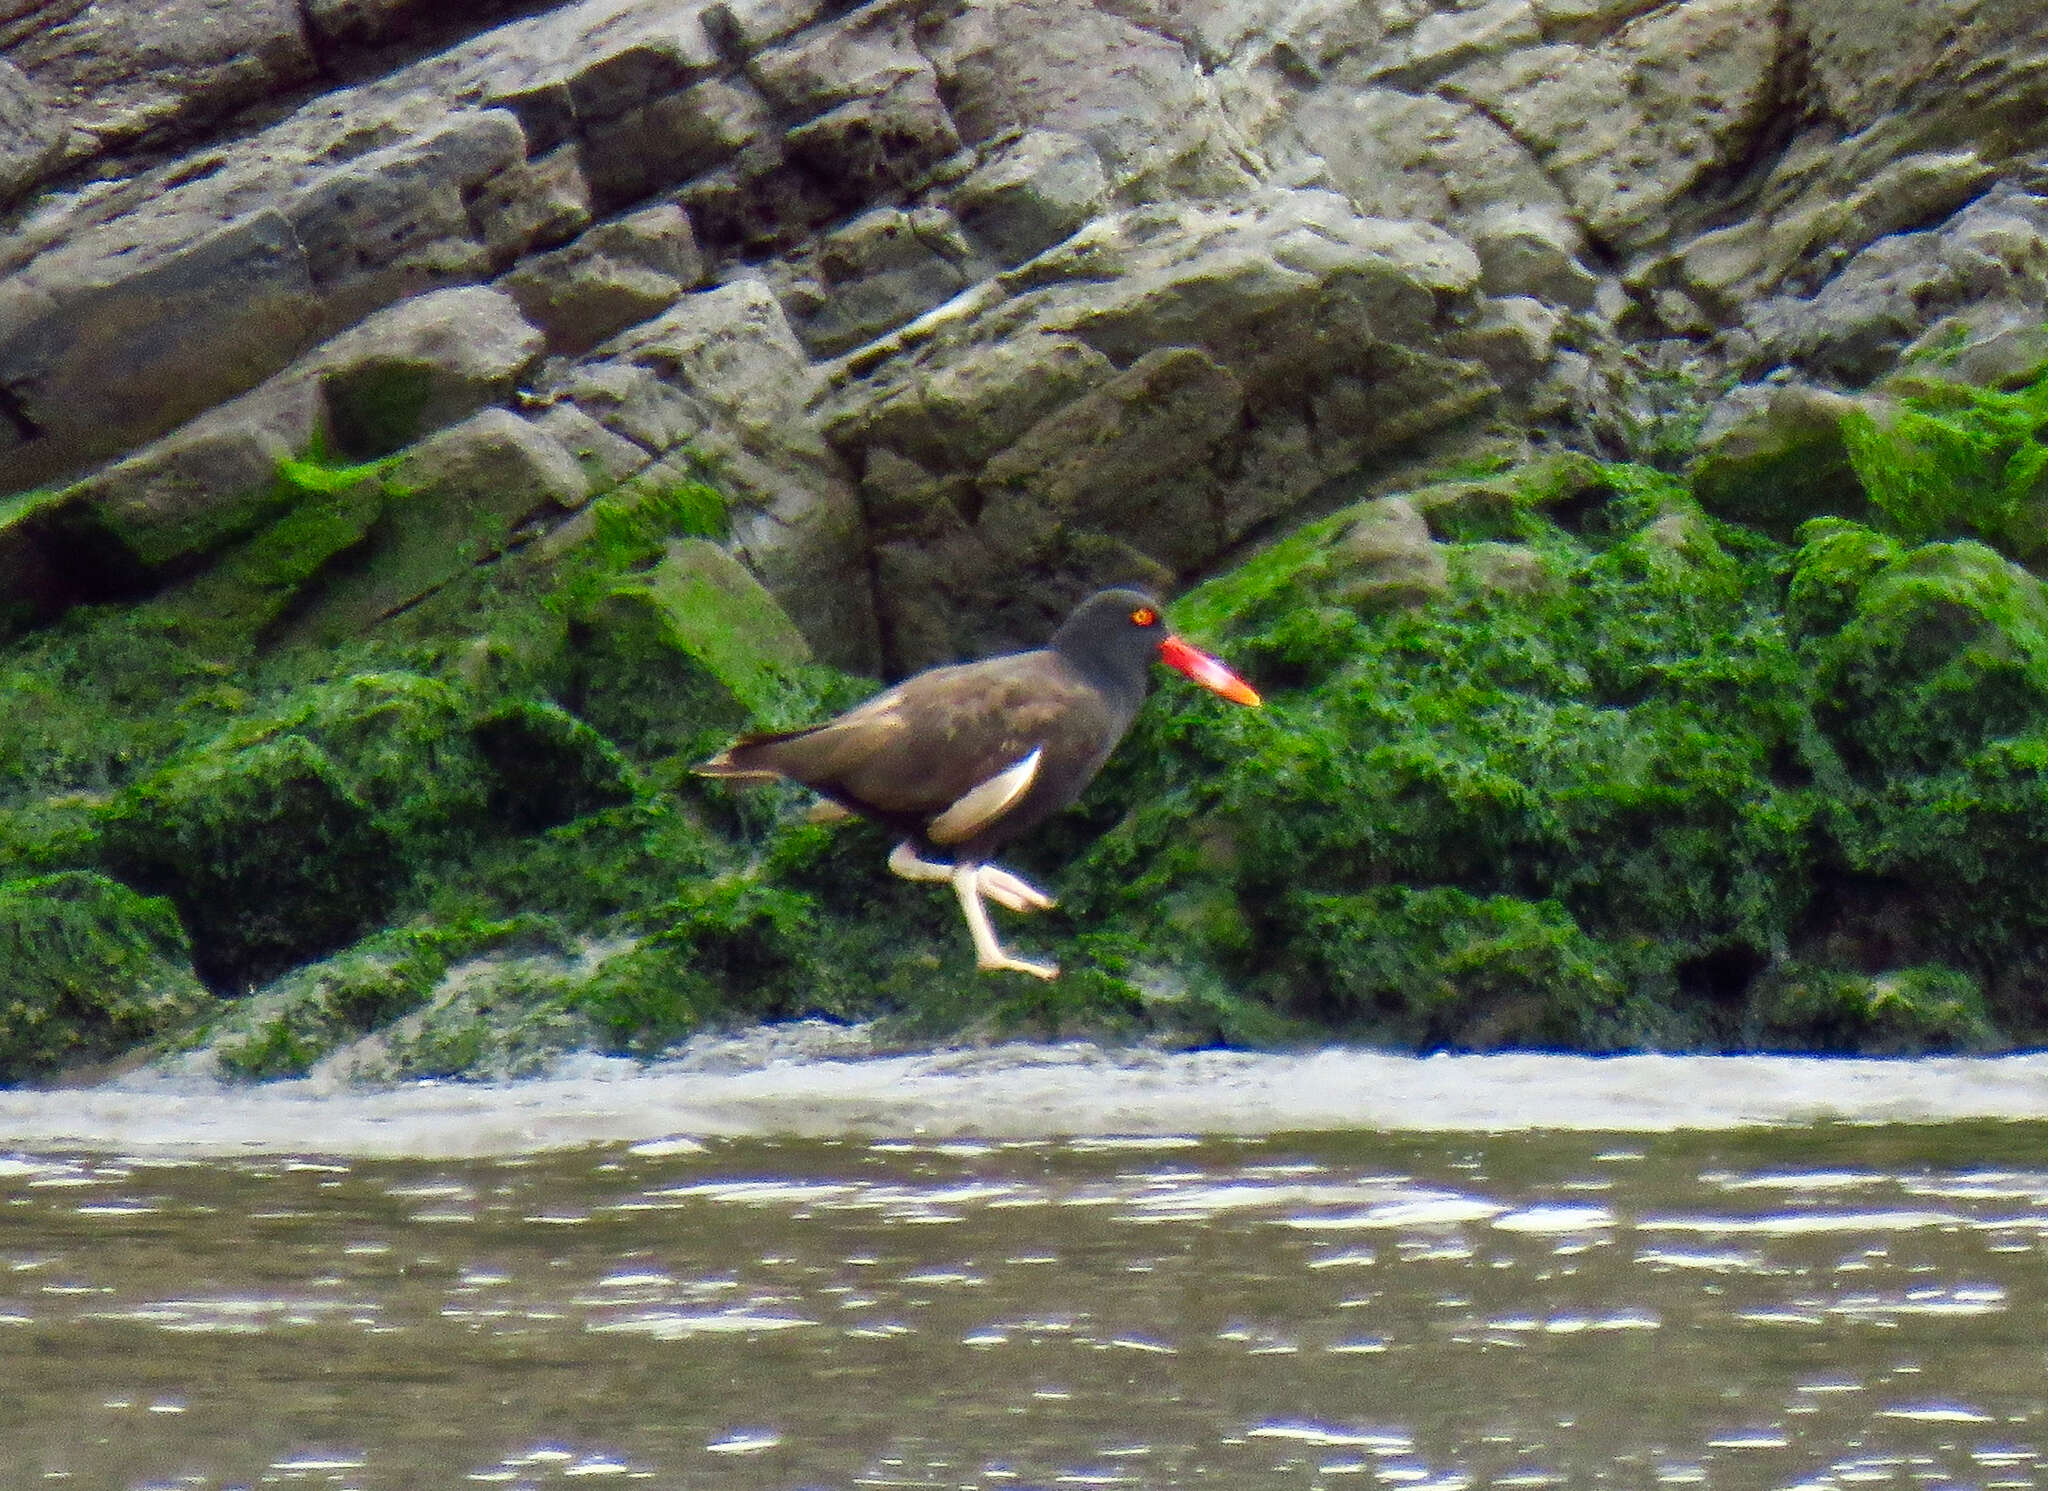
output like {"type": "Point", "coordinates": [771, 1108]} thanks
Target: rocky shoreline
{"type": "Point", "coordinates": [1611, 432]}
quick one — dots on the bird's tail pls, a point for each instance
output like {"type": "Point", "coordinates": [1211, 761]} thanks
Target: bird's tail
{"type": "Point", "coordinates": [746, 760]}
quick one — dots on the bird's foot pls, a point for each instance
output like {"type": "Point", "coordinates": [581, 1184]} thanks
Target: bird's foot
{"type": "Point", "coordinates": [1002, 961]}
{"type": "Point", "coordinates": [988, 953]}
{"type": "Point", "coordinates": [1012, 892]}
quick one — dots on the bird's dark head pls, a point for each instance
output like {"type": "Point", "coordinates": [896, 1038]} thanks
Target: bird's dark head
{"type": "Point", "coordinates": [1114, 635]}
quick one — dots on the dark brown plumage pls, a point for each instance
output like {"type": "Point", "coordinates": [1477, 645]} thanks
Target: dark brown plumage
{"type": "Point", "coordinates": [961, 760]}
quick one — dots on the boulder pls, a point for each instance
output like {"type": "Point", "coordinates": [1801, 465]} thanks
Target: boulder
{"type": "Point", "coordinates": [547, 767]}
{"type": "Point", "coordinates": [290, 835]}
{"type": "Point", "coordinates": [1033, 192]}
{"type": "Point", "coordinates": [1141, 457]}
{"type": "Point", "coordinates": [123, 71]}
{"type": "Point", "coordinates": [723, 371]}
{"type": "Point", "coordinates": [1148, 392]}
{"type": "Point", "coordinates": [691, 650]}
{"type": "Point", "coordinates": [32, 138]}
{"type": "Point", "coordinates": [617, 275]}
{"type": "Point", "coordinates": [1629, 124]}
{"type": "Point", "coordinates": [1775, 455]}
{"type": "Point", "coordinates": [93, 968]}
{"type": "Point", "coordinates": [1916, 1010]}
{"type": "Point", "coordinates": [1384, 559]}
{"type": "Point", "coordinates": [421, 366]}
{"type": "Point", "coordinates": [532, 204]}
{"type": "Point", "coordinates": [1510, 571]}
{"type": "Point", "coordinates": [1397, 154]}
{"type": "Point", "coordinates": [1135, 95]}
{"type": "Point", "coordinates": [1534, 252]}
{"type": "Point", "coordinates": [744, 27]}
{"type": "Point", "coordinates": [1993, 253]}
{"type": "Point", "coordinates": [674, 138]}
{"type": "Point", "coordinates": [396, 222]}
{"type": "Point", "coordinates": [268, 855]}
{"type": "Point", "coordinates": [873, 275]}
{"type": "Point", "coordinates": [451, 502]}
{"type": "Point", "coordinates": [202, 486]}
{"type": "Point", "coordinates": [1944, 650]}
{"type": "Point", "coordinates": [96, 364]}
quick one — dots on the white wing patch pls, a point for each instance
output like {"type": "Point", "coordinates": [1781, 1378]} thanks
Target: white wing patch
{"type": "Point", "coordinates": [986, 803]}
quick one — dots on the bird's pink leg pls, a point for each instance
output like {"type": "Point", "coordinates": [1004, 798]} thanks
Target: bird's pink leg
{"type": "Point", "coordinates": [1011, 892]}
{"type": "Point", "coordinates": [988, 953]}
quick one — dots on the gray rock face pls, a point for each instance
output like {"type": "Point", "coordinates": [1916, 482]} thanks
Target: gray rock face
{"type": "Point", "coordinates": [32, 139]}
{"type": "Point", "coordinates": [973, 303]}
{"type": "Point", "coordinates": [617, 275]}
{"type": "Point", "coordinates": [94, 365]}
{"type": "Point", "coordinates": [121, 71]}
{"type": "Point", "coordinates": [1144, 396]}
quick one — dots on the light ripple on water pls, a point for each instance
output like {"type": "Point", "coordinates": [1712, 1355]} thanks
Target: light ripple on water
{"type": "Point", "coordinates": [1878, 1256]}
{"type": "Point", "coordinates": [761, 1083]}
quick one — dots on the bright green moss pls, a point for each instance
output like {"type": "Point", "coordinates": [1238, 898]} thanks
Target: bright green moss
{"type": "Point", "coordinates": [269, 855]}
{"type": "Point", "coordinates": [91, 968]}
{"type": "Point", "coordinates": [1945, 648]}
{"type": "Point", "coordinates": [1835, 560]}
{"type": "Point", "coordinates": [547, 767]}
{"type": "Point", "coordinates": [1907, 1012]}
{"type": "Point", "coordinates": [1954, 461]}
{"type": "Point", "coordinates": [1618, 774]}
{"type": "Point", "coordinates": [1580, 785]}
{"type": "Point", "coordinates": [1441, 967]}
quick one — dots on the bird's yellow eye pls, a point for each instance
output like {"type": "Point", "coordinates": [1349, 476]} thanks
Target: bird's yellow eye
{"type": "Point", "coordinates": [1145, 616]}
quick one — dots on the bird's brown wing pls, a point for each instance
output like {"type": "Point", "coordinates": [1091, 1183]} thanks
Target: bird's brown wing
{"type": "Point", "coordinates": [954, 729]}
{"type": "Point", "coordinates": [913, 751]}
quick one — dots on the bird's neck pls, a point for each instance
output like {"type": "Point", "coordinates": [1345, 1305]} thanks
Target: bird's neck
{"type": "Point", "coordinates": [1112, 677]}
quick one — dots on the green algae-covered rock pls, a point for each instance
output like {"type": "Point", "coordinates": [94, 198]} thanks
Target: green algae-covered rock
{"type": "Point", "coordinates": [613, 864]}
{"type": "Point", "coordinates": [289, 836]}
{"type": "Point", "coordinates": [1836, 559]}
{"type": "Point", "coordinates": [548, 767]}
{"type": "Point", "coordinates": [1452, 969]}
{"type": "Point", "coordinates": [1952, 461]}
{"type": "Point", "coordinates": [91, 968]}
{"type": "Point", "coordinates": [1907, 1012]}
{"type": "Point", "coordinates": [1775, 458]}
{"type": "Point", "coordinates": [313, 1011]}
{"type": "Point", "coordinates": [257, 587]}
{"type": "Point", "coordinates": [267, 852]}
{"type": "Point", "coordinates": [692, 648]}
{"type": "Point", "coordinates": [1515, 816]}
{"type": "Point", "coordinates": [1946, 648]}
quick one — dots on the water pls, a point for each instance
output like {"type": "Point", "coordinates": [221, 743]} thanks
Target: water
{"type": "Point", "coordinates": [195, 1292]}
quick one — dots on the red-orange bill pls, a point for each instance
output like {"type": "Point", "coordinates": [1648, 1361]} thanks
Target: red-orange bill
{"type": "Point", "coordinates": [1209, 672]}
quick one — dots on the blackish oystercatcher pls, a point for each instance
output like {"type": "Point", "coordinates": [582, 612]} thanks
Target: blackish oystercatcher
{"type": "Point", "coordinates": [963, 759]}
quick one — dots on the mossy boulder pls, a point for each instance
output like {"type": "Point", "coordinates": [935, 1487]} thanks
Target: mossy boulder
{"type": "Point", "coordinates": [1446, 968]}
{"type": "Point", "coordinates": [290, 836]}
{"type": "Point", "coordinates": [91, 968]}
{"type": "Point", "coordinates": [257, 588]}
{"type": "Point", "coordinates": [1951, 461]}
{"type": "Point", "coordinates": [1775, 457]}
{"type": "Point", "coordinates": [547, 767]}
{"type": "Point", "coordinates": [1836, 559]}
{"type": "Point", "coordinates": [269, 855]}
{"type": "Point", "coordinates": [1907, 1012]}
{"type": "Point", "coordinates": [313, 1011]}
{"type": "Point", "coordinates": [1513, 817]}
{"type": "Point", "coordinates": [1944, 648]}
{"type": "Point", "coordinates": [615, 864]}
{"type": "Point", "coordinates": [693, 648]}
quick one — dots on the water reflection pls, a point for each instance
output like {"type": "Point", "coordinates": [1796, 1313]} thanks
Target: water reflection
{"type": "Point", "coordinates": [1770, 1309]}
